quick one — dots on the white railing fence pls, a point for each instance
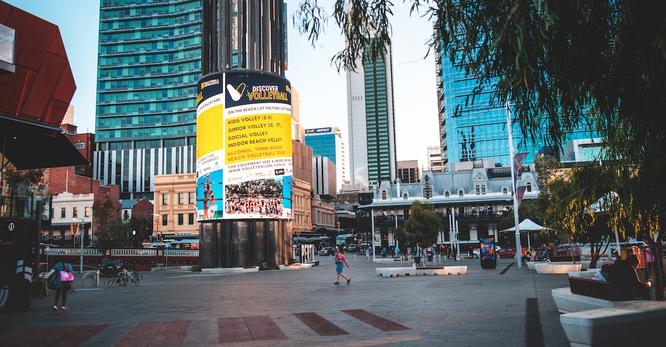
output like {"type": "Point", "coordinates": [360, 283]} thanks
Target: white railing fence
{"type": "Point", "coordinates": [123, 252]}
{"type": "Point", "coordinates": [72, 251]}
{"type": "Point", "coordinates": [133, 252]}
{"type": "Point", "coordinates": [181, 252]}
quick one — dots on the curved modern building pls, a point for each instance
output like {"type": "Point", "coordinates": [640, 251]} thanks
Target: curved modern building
{"type": "Point", "coordinates": [148, 68]}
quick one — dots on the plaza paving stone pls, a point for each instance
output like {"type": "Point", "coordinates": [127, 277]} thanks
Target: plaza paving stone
{"type": "Point", "coordinates": [267, 309]}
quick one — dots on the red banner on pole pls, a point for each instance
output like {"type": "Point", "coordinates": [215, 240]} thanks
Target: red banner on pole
{"type": "Point", "coordinates": [520, 193]}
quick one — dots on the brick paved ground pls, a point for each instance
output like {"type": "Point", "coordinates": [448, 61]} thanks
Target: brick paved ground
{"type": "Point", "coordinates": [303, 308]}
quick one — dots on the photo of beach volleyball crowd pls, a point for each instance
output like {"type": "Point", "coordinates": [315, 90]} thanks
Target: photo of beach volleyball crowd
{"type": "Point", "coordinates": [256, 198]}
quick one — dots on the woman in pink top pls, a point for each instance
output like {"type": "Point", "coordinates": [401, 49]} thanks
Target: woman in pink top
{"type": "Point", "coordinates": [340, 261]}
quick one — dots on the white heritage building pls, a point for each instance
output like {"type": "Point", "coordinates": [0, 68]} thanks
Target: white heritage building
{"type": "Point", "coordinates": [478, 193]}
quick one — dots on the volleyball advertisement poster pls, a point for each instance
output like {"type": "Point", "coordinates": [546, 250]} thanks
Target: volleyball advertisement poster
{"type": "Point", "coordinates": [244, 153]}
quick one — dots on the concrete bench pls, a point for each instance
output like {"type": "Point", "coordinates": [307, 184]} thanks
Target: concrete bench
{"type": "Point", "coordinates": [229, 270]}
{"type": "Point", "coordinates": [396, 271]}
{"type": "Point", "coordinates": [630, 323]}
{"type": "Point", "coordinates": [557, 268]}
{"type": "Point", "coordinates": [442, 271]}
{"type": "Point", "coordinates": [568, 302]}
{"type": "Point", "coordinates": [413, 271]}
{"type": "Point", "coordinates": [296, 266]}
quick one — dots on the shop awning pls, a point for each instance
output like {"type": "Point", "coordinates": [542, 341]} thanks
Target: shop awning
{"type": "Point", "coordinates": [31, 145]}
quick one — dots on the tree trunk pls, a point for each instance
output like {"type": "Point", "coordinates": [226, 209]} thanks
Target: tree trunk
{"type": "Point", "coordinates": [594, 253]}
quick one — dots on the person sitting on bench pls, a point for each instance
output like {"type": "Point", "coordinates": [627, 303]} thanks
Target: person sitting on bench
{"type": "Point", "coordinates": [602, 275]}
{"type": "Point", "coordinates": [625, 280]}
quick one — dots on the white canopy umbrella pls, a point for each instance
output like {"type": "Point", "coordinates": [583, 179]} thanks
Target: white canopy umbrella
{"type": "Point", "coordinates": [529, 226]}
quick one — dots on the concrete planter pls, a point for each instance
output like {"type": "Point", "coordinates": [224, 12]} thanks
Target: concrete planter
{"type": "Point", "coordinates": [557, 268]}
{"type": "Point", "coordinates": [292, 267]}
{"type": "Point", "coordinates": [412, 271]}
{"type": "Point", "coordinates": [229, 270]}
{"type": "Point", "coordinates": [632, 323]}
{"type": "Point", "coordinates": [530, 264]}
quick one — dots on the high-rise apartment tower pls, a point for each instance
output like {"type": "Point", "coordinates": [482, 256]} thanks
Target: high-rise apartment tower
{"type": "Point", "coordinates": [372, 153]}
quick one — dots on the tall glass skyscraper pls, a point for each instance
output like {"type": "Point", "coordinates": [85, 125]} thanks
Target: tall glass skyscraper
{"type": "Point", "coordinates": [149, 64]}
{"type": "Point", "coordinates": [372, 154]}
{"type": "Point", "coordinates": [474, 127]}
{"type": "Point", "coordinates": [327, 142]}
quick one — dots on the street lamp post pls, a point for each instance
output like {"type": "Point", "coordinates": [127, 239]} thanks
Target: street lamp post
{"type": "Point", "coordinates": [513, 183]}
{"type": "Point", "coordinates": [133, 237]}
{"type": "Point", "coordinates": [372, 222]}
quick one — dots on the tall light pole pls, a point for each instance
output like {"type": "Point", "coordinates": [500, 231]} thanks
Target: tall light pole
{"type": "Point", "coordinates": [513, 184]}
{"type": "Point", "coordinates": [372, 222]}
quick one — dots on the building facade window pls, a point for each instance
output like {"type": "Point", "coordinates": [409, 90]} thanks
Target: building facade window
{"type": "Point", "coordinates": [446, 194]}
{"type": "Point", "coordinates": [181, 198]}
{"type": "Point", "coordinates": [529, 186]}
{"type": "Point", "coordinates": [63, 212]}
{"type": "Point", "coordinates": [477, 189]}
{"type": "Point", "coordinates": [505, 191]}
{"type": "Point", "coordinates": [125, 215]}
{"type": "Point", "coordinates": [181, 219]}
{"type": "Point", "coordinates": [190, 199]}
{"type": "Point", "coordinates": [86, 211]}
{"type": "Point", "coordinates": [165, 198]}
{"type": "Point", "coordinates": [383, 195]}
{"type": "Point", "coordinates": [461, 192]}
{"type": "Point", "coordinates": [190, 218]}
{"type": "Point", "coordinates": [165, 219]}
{"type": "Point", "coordinates": [75, 212]}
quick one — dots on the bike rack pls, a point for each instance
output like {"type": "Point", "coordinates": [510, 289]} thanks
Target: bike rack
{"type": "Point", "coordinates": [92, 278]}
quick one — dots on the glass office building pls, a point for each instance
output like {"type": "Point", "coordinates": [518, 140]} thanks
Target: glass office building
{"type": "Point", "coordinates": [474, 127]}
{"type": "Point", "coordinates": [372, 153]}
{"type": "Point", "coordinates": [327, 142]}
{"type": "Point", "coordinates": [149, 64]}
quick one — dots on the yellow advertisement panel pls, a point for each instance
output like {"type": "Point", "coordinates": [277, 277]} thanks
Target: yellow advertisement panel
{"type": "Point", "coordinates": [255, 137]}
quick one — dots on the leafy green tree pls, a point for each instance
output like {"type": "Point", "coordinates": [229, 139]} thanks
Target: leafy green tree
{"type": "Point", "coordinates": [106, 216]}
{"type": "Point", "coordinates": [562, 64]}
{"type": "Point", "coordinates": [422, 225]}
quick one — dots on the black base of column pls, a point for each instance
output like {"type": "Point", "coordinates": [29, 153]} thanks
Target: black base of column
{"type": "Point", "coordinates": [244, 243]}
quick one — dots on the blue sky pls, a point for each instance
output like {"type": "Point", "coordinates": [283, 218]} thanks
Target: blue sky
{"type": "Point", "coordinates": [322, 88]}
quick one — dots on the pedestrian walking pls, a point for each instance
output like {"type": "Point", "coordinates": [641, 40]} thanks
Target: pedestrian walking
{"type": "Point", "coordinates": [340, 262]}
{"type": "Point", "coordinates": [418, 252]}
{"type": "Point", "coordinates": [62, 276]}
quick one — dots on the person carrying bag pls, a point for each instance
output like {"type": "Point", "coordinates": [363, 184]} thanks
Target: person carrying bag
{"type": "Point", "coordinates": [62, 276]}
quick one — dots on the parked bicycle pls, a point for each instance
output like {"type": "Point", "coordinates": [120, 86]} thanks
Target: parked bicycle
{"type": "Point", "coordinates": [125, 277]}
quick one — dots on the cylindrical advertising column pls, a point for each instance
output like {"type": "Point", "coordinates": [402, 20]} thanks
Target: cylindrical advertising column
{"type": "Point", "coordinates": [244, 156]}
